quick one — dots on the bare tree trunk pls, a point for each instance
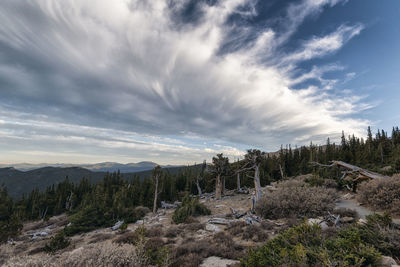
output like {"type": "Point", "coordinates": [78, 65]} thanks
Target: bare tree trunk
{"type": "Point", "coordinates": [280, 168]}
{"type": "Point", "coordinates": [238, 181]}
{"type": "Point", "coordinates": [218, 187]}
{"type": "Point", "coordinates": [257, 184]}
{"type": "Point", "coordinates": [155, 197]}
{"type": "Point", "coordinates": [198, 187]}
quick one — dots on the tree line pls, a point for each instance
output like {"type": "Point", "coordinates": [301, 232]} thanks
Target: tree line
{"type": "Point", "coordinates": [116, 198]}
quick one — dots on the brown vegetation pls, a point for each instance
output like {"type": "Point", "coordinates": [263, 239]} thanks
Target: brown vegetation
{"type": "Point", "coordinates": [293, 198]}
{"type": "Point", "coordinates": [382, 194]}
{"type": "Point", "coordinates": [102, 254]}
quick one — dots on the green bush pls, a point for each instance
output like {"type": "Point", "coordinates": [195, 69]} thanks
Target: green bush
{"type": "Point", "coordinates": [57, 242]}
{"type": "Point", "coordinates": [382, 233]}
{"type": "Point", "coordinates": [10, 228]}
{"type": "Point", "coordinates": [307, 245]}
{"type": "Point", "coordinates": [88, 219]}
{"type": "Point", "coordinates": [191, 207]}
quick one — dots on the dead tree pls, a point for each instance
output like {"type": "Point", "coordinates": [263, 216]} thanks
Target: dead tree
{"type": "Point", "coordinates": [157, 172]}
{"type": "Point", "coordinates": [200, 176]}
{"type": "Point", "coordinates": [220, 168]}
{"type": "Point", "coordinates": [360, 174]}
{"type": "Point", "coordinates": [253, 160]}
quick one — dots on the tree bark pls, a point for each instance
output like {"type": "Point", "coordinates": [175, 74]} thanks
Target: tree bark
{"type": "Point", "coordinates": [218, 187]}
{"type": "Point", "coordinates": [155, 196]}
{"type": "Point", "coordinates": [280, 168]}
{"type": "Point", "coordinates": [257, 184]}
{"type": "Point", "coordinates": [198, 187]}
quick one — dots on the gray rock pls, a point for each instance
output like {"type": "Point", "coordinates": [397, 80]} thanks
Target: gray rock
{"type": "Point", "coordinates": [117, 225]}
{"type": "Point", "coordinates": [388, 261]}
{"type": "Point", "coordinates": [212, 228]}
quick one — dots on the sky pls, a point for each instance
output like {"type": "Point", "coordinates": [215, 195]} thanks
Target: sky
{"type": "Point", "coordinates": [177, 81]}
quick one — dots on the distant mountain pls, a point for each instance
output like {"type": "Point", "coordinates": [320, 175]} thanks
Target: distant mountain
{"type": "Point", "coordinates": [19, 182]}
{"type": "Point", "coordinates": [98, 167]}
{"type": "Point", "coordinates": [123, 168]}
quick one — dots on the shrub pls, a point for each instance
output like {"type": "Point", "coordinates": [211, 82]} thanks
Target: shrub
{"type": "Point", "coordinates": [193, 252]}
{"type": "Point", "coordinates": [306, 245]}
{"type": "Point", "coordinates": [296, 201]}
{"type": "Point", "coordinates": [9, 228]}
{"type": "Point", "coordinates": [57, 242]}
{"type": "Point", "coordinates": [382, 233]}
{"type": "Point", "coordinates": [381, 194]}
{"type": "Point", "coordinates": [344, 212]}
{"type": "Point", "coordinates": [314, 180]}
{"type": "Point", "coordinates": [173, 231]}
{"type": "Point", "coordinates": [190, 207]}
{"type": "Point", "coordinates": [255, 233]}
{"type": "Point", "coordinates": [87, 219]}
{"type": "Point", "coordinates": [155, 231]}
{"type": "Point", "coordinates": [101, 254]}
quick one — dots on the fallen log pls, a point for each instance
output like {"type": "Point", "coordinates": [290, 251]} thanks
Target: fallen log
{"type": "Point", "coordinates": [352, 169]}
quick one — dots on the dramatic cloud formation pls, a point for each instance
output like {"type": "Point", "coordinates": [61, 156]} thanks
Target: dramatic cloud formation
{"type": "Point", "coordinates": [136, 79]}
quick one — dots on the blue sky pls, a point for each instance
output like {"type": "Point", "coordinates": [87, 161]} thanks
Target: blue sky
{"type": "Point", "coordinates": [176, 82]}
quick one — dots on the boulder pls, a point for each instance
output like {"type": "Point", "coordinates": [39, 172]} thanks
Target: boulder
{"type": "Point", "coordinates": [218, 262]}
{"type": "Point", "coordinates": [212, 228]}
{"type": "Point", "coordinates": [347, 219]}
{"type": "Point", "coordinates": [388, 261]}
{"type": "Point", "coordinates": [117, 225]}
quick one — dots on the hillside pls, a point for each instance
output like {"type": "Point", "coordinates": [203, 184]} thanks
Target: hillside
{"type": "Point", "coordinates": [96, 167]}
{"type": "Point", "coordinates": [219, 239]}
{"type": "Point", "coordinates": [19, 182]}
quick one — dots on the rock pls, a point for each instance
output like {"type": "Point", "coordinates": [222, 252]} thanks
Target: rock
{"type": "Point", "coordinates": [212, 228]}
{"type": "Point", "coordinates": [220, 206]}
{"type": "Point", "coordinates": [362, 221]}
{"type": "Point", "coordinates": [347, 219]}
{"type": "Point", "coordinates": [69, 224]}
{"type": "Point", "coordinates": [117, 225]}
{"type": "Point", "coordinates": [218, 262]}
{"type": "Point", "coordinates": [219, 221]}
{"type": "Point", "coordinates": [166, 205]}
{"type": "Point", "coordinates": [139, 222]}
{"type": "Point", "coordinates": [44, 233]}
{"type": "Point", "coordinates": [388, 261]}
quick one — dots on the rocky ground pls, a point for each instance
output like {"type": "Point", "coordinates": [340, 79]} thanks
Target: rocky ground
{"type": "Point", "coordinates": [223, 230]}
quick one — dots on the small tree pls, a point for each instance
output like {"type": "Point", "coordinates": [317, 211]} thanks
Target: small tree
{"type": "Point", "coordinates": [220, 168]}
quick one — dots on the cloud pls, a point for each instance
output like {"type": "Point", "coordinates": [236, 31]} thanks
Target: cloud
{"type": "Point", "coordinates": [129, 68]}
{"type": "Point", "coordinates": [322, 46]}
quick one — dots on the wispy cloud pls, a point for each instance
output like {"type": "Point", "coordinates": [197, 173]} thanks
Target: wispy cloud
{"type": "Point", "coordinates": [101, 76]}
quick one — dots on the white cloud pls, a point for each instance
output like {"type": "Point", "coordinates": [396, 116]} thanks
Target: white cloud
{"type": "Point", "coordinates": [127, 69]}
{"type": "Point", "coordinates": [321, 46]}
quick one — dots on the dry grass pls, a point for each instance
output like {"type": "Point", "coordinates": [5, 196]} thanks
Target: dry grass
{"type": "Point", "coordinates": [381, 194]}
{"type": "Point", "coordinates": [101, 254]}
{"type": "Point", "coordinates": [192, 252]}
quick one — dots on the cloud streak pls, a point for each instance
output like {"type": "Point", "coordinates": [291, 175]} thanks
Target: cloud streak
{"type": "Point", "coordinates": [131, 68]}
